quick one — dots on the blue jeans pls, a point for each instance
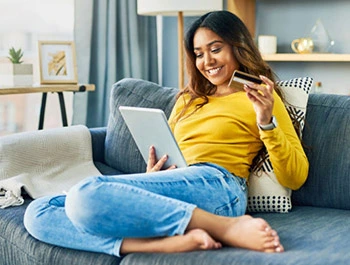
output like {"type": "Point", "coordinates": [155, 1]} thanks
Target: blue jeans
{"type": "Point", "coordinates": [99, 212]}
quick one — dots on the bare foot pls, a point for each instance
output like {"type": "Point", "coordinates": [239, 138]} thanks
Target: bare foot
{"type": "Point", "coordinates": [251, 233]}
{"type": "Point", "coordinates": [196, 239]}
{"type": "Point", "coordinates": [243, 231]}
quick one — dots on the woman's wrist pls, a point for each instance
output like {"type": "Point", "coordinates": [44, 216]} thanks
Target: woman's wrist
{"type": "Point", "coordinates": [268, 126]}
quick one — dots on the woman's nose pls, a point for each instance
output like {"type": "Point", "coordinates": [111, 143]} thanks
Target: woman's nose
{"type": "Point", "coordinates": [208, 59]}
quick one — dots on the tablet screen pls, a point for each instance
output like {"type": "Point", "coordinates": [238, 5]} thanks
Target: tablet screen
{"type": "Point", "coordinates": [148, 127]}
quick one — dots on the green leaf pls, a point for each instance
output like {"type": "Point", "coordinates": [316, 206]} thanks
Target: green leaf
{"type": "Point", "coordinates": [15, 56]}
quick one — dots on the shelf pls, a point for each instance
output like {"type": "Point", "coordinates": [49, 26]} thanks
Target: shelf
{"type": "Point", "coordinates": [312, 57]}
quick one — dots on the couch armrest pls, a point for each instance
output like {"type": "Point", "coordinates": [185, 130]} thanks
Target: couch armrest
{"type": "Point", "coordinates": [98, 137]}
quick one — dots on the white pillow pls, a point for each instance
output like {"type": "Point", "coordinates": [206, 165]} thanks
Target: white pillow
{"type": "Point", "coordinates": [265, 194]}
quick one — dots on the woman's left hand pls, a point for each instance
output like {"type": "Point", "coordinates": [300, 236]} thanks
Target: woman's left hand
{"type": "Point", "coordinates": [153, 165]}
{"type": "Point", "coordinates": [262, 98]}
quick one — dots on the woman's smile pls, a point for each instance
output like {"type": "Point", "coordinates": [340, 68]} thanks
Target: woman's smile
{"type": "Point", "coordinates": [214, 71]}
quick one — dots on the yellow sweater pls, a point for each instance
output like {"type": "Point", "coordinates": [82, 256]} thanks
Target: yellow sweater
{"type": "Point", "coordinates": [225, 132]}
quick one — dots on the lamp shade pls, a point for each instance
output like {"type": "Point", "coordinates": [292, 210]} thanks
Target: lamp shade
{"type": "Point", "coordinates": [172, 7]}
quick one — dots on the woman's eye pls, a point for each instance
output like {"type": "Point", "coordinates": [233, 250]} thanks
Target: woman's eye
{"type": "Point", "coordinates": [216, 50]}
{"type": "Point", "coordinates": [199, 55]}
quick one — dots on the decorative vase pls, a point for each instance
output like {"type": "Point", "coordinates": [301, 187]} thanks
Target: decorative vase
{"type": "Point", "coordinates": [322, 41]}
{"type": "Point", "coordinates": [16, 74]}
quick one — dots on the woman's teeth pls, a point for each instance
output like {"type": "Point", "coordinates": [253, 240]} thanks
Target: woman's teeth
{"type": "Point", "coordinates": [214, 71]}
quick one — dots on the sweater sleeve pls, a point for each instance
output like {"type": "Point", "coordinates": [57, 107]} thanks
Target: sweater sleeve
{"type": "Point", "coordinates": [286, 153]}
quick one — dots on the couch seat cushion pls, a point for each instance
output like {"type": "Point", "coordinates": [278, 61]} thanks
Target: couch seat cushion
{"type": "Point", "coordinates": [310, 235]}
{"type": "Point", "coordinates": [25, 250]}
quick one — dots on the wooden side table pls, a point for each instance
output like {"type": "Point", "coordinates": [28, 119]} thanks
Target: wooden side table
{"type": "Point", "coordinates": [44, 89]}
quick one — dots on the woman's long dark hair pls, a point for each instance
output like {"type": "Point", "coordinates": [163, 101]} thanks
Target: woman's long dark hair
{"type": "Point", "coordinates": [233, 31]}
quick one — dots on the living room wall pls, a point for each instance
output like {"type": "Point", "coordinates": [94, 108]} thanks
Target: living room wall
{"type": "Point", "coordinates": [287, 20]}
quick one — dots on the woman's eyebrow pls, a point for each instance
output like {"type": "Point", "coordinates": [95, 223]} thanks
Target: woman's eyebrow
{"type": "Point", "coordinates": [209, 44]}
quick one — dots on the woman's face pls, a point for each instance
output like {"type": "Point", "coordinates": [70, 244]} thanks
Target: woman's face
{"type": "Point", "coordinates": [214, 57]}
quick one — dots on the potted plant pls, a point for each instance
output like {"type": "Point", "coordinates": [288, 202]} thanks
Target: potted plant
{"type": "Point", "coordinates": [16, 73]}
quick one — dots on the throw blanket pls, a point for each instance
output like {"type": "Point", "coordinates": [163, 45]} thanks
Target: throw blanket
{"type": "Point", "coordinates": [46, 162]}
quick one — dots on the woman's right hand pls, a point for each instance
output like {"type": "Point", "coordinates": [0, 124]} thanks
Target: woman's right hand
{"type": "Point", "coordinates": [153, 165]}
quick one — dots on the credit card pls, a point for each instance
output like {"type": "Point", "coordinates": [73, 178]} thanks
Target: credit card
{"type": "Point", "coordinates": [239, 79]}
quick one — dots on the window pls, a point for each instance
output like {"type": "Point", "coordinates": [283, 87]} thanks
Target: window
{"type": "Point", "coordinates": [22, 24]}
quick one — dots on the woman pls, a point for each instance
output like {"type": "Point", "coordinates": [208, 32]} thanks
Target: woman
{"type": "Point", "coordinates": [219, 130]}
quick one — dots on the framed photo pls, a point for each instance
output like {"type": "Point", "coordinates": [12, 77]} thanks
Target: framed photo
{"type": "Point", "coordinates": [57, 62]}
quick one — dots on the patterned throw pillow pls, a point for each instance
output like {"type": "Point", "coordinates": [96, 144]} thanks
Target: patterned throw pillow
{"type": "Point", "coordinates": [265, 194]}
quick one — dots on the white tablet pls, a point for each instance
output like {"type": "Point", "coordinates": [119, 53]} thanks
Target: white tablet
{"type": "Point", "coordinates": [150, 127]}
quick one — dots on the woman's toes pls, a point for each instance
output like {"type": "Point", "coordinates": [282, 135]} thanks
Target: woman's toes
{"type": "Point", "coordinates": [273, 247]}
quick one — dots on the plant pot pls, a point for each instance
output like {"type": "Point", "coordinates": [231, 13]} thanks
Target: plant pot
{"type": "Point", "coordinates": [16, 74]}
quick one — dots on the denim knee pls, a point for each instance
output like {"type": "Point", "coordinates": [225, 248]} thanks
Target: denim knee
{"type": "Point", "coordinates": [80, 207]}
{"type": "Point", "coordinates": [33, 217]}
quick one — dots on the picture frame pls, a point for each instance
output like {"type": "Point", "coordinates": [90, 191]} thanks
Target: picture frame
{"type": "Point", "coordinates": [57, 62]}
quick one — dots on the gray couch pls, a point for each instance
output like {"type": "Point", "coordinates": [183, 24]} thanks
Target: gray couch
{"type": "Point", "coordinates": [314, 232]}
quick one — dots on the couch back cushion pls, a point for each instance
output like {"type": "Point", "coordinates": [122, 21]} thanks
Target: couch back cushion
{"type": "Point", "coordinates": [327, 137]}
{"type": "Point", "coordinates": [121, 151]}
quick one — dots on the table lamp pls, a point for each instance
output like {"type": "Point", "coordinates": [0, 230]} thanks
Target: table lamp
{"type": "Point", "coordinates": [178, 8]}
